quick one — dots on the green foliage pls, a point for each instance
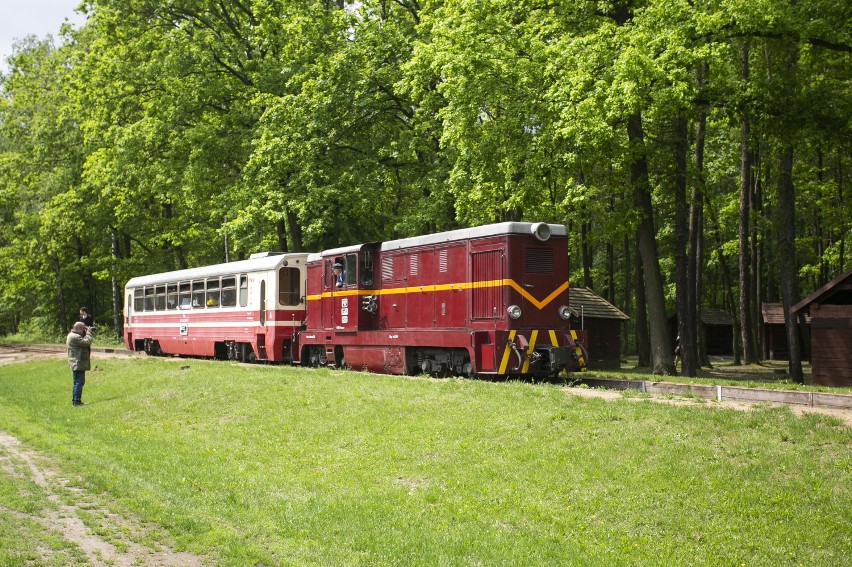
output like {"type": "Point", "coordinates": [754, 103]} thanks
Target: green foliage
{"type": "Point", "coordinates": [173, 128]}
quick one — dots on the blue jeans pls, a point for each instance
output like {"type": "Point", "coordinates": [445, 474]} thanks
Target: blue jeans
{"type": "Point", "coordinates": [77, 390]}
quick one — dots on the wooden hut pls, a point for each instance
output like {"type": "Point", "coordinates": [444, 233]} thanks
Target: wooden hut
{"type": "Point", "coordinates": [603, 323]}
{"type": "Point", "coordinates": [717, 328]}
{"type": "Point", "coordinates": [773, 335]}
{"type": "Point", "coordinates": [830, 308]}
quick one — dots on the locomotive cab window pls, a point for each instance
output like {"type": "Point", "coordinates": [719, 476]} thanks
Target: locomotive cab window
{"type": "Point", "coordinates": [349, 273]}
{"type": "Point", "coordinates": [138, 302]}
{"type": "Point", "coordinates": [288, 287]}
{"type": "Point", "coordinates": [367, 268]}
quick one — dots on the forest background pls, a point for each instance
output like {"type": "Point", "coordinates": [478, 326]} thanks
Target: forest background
{"type": "Point", "coordinates": [697, 151]}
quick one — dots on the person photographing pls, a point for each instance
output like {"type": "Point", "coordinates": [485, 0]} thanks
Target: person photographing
{"type": "Point", "coordinates": [79, 343]}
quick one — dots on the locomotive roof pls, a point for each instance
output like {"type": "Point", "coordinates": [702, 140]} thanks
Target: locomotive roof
{"type": "Point", "coordinates": [471, 234]}
{"type": "Point", "coordinates": [497, 229]}
{"type": "Point", "coordinates": [260, 264]}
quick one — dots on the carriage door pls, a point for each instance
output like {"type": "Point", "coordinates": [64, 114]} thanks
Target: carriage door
{"type": "Point", "coordinates": [345, 298]}
{"type": "Point", "coordinates": [262, 303]}
{"type": "Point", "coordinates": [487, 292]}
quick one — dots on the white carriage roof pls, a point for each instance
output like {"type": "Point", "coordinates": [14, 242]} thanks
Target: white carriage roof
{"type": "Point", "coordinates": [257, 264]}
{"type": "Point", "coordinates": [449, 236]}
{"type": "Point", "coordinates": [471, 233]}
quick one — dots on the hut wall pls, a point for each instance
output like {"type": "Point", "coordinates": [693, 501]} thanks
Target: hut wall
{"type": "Point", "coordinates": [604, 336]}
{"type": "Point", "coordinates": [831, 341]}
{"type": "Point", "coordinates": [775, 343]}
{"type": "Point", "coordinates": [719, 340]}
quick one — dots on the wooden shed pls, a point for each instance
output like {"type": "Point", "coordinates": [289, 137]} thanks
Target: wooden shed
{"type": "Point", "coordinates": [773, 335]}
{"type": "Point", "coordinates": [603, 323]}
{"type": "Point", "coordinates": [717, 327]}
{"type": "Point", "coordinates": [830, 308]}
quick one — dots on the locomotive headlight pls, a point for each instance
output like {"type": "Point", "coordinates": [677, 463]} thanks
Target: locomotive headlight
{"type": "Point", "coordinates": [541, 231]}
{"type": "Point", "coordinates": [514, 312]}
{"type": "Point", "coordinates": [565, 312]}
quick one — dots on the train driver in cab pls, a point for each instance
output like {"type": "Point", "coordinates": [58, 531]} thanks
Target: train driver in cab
{"type": "Point", "coordinates": [339, 280]}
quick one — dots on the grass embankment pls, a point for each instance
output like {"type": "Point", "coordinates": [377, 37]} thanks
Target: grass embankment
{"type": "Point", "coordinates": [278, 465]}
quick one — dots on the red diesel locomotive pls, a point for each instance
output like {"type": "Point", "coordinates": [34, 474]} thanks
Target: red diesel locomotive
{"type": "Point", "coordinates": [489, 301]}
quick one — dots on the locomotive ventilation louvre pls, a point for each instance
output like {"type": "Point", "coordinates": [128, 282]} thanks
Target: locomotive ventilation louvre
{"type": "Point", "coordinates": [539, 261]}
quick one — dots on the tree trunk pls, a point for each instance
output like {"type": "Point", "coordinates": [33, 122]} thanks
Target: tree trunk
{"type": "Point", "coordinates": [281, 232]}
{"type": "Point", "coordinates": [696, 229]}
{"type": "Point", "coordinates": [628, 286]}
{"type": "Point", "coordinates": [787, 260]}
{"type": "Point", "coordinates": [643, 341]}
{"type": "Point", "coordinates": [295, 230]}
{"type": "Point", "coordinates": [746, 327]}
{"type": "Point", "coordinates": [587, 254]}
{"type": "Point", "coordinates": [117, 295]}
{"type": "Point", "coordinates": [60, 297]}
{"type": "Point", "coordinates": [728, 286]}
{"type": "Point", "coordinates": [685, 316]}
{"type": "Point", "coordinates": [661, 347]}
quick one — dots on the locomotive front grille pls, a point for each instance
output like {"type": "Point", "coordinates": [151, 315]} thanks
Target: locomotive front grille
{"type": "Point", "coordinates": [539, 261]}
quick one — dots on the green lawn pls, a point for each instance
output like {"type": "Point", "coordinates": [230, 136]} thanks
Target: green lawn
{"type": "Point", "coordinates": [289, 466]}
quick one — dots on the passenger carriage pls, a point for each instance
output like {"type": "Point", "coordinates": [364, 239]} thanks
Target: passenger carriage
{"type": "Point", "coordinates": [246, 310]}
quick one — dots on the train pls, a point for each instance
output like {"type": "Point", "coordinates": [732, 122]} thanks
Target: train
{"type": "Point", "coordinates": [487, 301]}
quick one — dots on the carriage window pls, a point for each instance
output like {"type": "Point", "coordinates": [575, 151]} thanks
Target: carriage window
{"type": "Point", "coordinates": [288, 286]}
{"type": "Point", "coordinates": [213, 293]}
{"type": "Point", "coordinates": [149, 298]}
{"type": "Point", "coordinates": [243, 290]}
{"type": "Point", "coordinates": [184, 295]}
{"type": "Point", "coordinates": [198, 294]}
{"type": "Point", "coordinates": [160, 298]}
{"type": "Point", "coordinates": [138, 304]}
{"type": "Point", "coordinates": [229, 291]}
{"type": "Point", "coordinates": [171, 296]}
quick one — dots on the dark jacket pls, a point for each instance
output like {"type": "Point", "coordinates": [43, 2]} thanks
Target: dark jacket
{"type": "Point", "coordinates": [79, 350]}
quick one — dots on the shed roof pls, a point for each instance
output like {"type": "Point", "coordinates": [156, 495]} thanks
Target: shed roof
{"type": "Point", "coordinates": [773, 314]}
{"type": "Point", "coordinates": [710, 316]}
{"type": "Point", "coordinates": [836, 292]}
{"type": "Point", "coordinates": [593, 305]}
{"type": "Point", "coordinates": [715, 316]}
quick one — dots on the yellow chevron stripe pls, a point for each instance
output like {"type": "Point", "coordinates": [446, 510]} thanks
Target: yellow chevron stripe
{"type": "Point", "coordinates": [445, 287]}
{"type": "Point", "coordinates": [526, 367]}
{"type": "Point", "coordinates": [580, 359]}
{"type": "Point", "coordinates": [506, 351]}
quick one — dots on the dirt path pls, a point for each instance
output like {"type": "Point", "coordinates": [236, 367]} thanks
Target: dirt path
{"type": "Point", "coordinates": [66, 519]}
{"type": "Point", "coordinates": [843, 415]}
